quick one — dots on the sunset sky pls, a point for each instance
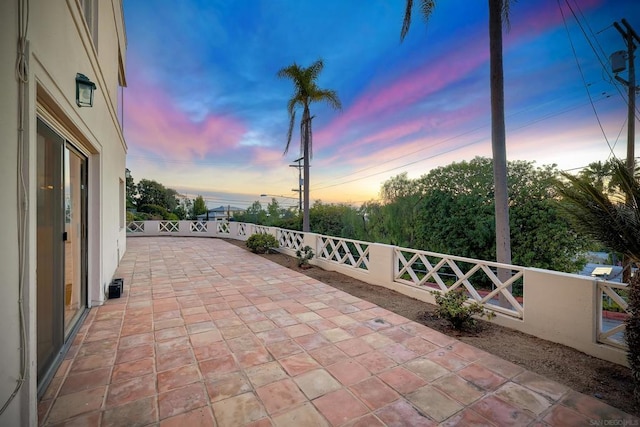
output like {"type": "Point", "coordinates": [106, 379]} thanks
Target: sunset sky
{"type": "Point", "coordinates": [204, 112]}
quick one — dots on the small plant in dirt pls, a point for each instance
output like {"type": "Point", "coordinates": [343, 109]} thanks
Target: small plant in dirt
{"type": "Point", "coordinates": [304, 255]}
{"type": "Point", "coordinates": [261, 243]}
{"type": "Point", "coordinates": [452, 306]}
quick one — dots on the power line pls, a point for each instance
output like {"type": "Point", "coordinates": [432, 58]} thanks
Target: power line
{"type": "Point", "coordinates": [575, 55]}
{"type": "Point", "coordinates": [445, 152]}
{"type": "Point", "coordinates": [584, 33]}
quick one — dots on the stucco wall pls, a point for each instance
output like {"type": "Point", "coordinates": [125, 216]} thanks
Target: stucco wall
{"type": "Point", "coordinates": [9, 350]}
{"type": "Point", "coordinates": [59, 46]}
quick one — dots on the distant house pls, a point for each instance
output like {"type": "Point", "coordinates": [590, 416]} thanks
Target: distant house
{"type": "Point", "coordinates": [611, 273]}
{"type": "Point", "coordinates": [62, 180]}
{"type": "Point", "coordinates": [221, 212]}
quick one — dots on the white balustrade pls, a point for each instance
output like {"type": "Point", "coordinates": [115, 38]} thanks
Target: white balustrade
{"type": "Point", "coordinates": [169, 226]}
{"type": "Point", "coordinates": [135, 227]}
{"type": "Point", "coordinates": [290, 239]}
{"type": "Point", "coordinates": [446, 273]}
{"type": "Point", "coordinates": [560, 307]}
{"type": "Point", "coordinates": [198, 226]}
{"type": "Point", "coordinates": [611, 319]}
{"type": "Point", "coordinates": [347, 252]}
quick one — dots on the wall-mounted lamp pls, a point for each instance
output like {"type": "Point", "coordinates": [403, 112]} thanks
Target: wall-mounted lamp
{"type": "Point", "coordinates": [84, 91]}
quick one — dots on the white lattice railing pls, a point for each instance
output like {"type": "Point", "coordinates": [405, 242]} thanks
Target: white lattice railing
{"type": "Point", "coordinates": [612, 311]}
{"type": "Point", "coordinates": [261, 229]}
{"type": "Point", "coordinates": [223, 227]}
{"type": "Point", "coordinates": [551, 296]}
{"type": "Point", "coordinates": [135, 227]}
{"type": "Point", "coordinates": [350, 253]}
{"type": "Point", "coordinates": [169, 226]}
{"type": "Point", "coordinates": [446, 273]}
{"type": "Point", "coordinates": [198, 226]}
{"type": "Point", "coordinates": [290, 239]}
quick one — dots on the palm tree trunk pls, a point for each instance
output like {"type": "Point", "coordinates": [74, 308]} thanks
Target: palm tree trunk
{"type": "Point", "coordinates": [498, 139]}
{"type": "Point", "coordinates": [306, 127]}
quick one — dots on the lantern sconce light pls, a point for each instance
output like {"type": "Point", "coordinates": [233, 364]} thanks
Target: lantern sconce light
{"type": "Point", "coordinates": [84, 91]}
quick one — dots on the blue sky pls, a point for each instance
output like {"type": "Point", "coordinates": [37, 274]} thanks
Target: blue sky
{"type": "Point", "coordinates": [204, 112]}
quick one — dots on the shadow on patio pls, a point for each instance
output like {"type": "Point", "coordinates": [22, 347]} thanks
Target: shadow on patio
{"type": "Point", "coordinates": [208, 334]}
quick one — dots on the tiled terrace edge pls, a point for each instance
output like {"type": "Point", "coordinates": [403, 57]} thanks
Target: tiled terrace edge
{"type": "Point", "coordinates": [209, 334]}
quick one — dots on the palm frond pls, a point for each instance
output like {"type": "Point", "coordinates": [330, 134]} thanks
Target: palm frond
{"type": "Point", "coordinates": [506, 12]}
{"type": "Point", "coordinates": [406, 23]}
{"type": "Point", "coordinates": [314, 70]}
{"type": "Point", "coordinates": [426, 9]}
{"type": "Point", "coordinates": [290, 72]}
{"type": "Point", "coordinates": [614, 222]}
{"type": "Point", "coordinates": [292, 119]}
{"type": "Point", "coordinates": [329, 96]}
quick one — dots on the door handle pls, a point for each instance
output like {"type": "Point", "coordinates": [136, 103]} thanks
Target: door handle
{"type": "Point", "coordinates": [64, 236]}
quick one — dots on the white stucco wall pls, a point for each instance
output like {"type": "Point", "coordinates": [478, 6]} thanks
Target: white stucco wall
{"type": "Point", "coordinates": [9, 350]}
{"type": "Point", "coordinates": [59, 47]}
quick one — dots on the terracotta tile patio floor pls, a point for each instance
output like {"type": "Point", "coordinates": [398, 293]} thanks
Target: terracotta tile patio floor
{"type": "Point", "coordinates": [208, 334]}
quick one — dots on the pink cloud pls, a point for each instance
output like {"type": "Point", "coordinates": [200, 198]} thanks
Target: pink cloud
{"type": "Point", "coordinates": [437, 74]}
{"type": "Point", "coordinates": [267, 157]}
{"type": "Point", "coordinates": [154, 124]}
{"type": "Point", "coordinates": [542, 18]}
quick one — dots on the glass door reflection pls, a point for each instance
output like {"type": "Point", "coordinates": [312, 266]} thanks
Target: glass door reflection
{"type": "Point", "coordinates": [74, 236]}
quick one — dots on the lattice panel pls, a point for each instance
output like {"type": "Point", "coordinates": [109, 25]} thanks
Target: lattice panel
{"type": "Point", "coordinates": [613, 310]}
{"type": "Point", "coordinates": [169, 226]}
{"type": "Point", "coordinates": [260, 229]}
{"type": "Point", "coordinates": [222, 227]}
{"type": "Point", "coordinates": [242, 229]}
{"type": "Point", "coordinates": [478, 278]}
{"type": "Point", "coordinates": [347, 252]}
{"type": "Point", "coordinates": [135, 227]}
{"type": "Point", "coordinates": [198, 226]}
{"type": "Point", "coordinates": [290, 239]}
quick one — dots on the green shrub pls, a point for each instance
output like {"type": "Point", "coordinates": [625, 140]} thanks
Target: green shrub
{"type": "Point", "coordinates": [261, 243]}
{"type": "Point", "coordinates": [452, 307]}
{"type": "Point", "coordinates": [304, 255]}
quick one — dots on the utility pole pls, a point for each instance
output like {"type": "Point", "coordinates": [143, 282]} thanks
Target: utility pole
{"type": "Point", "coordinates": [299, 190]}
{"type": "Point", "coordinates": [628, 35]}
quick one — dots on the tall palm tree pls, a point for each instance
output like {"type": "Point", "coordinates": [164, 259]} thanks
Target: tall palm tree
{"type": "Point", "coordinates": [305, 92]}
{"type": "Point", "coordinates": [498, 14]}
{"type": "Point", "coordinates": [612, 218]}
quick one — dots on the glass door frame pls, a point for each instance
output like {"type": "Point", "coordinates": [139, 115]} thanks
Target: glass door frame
{"type": "Point", "coordinates": [79, 253]}
{"type": "Point", "coordinates": [52, 215]}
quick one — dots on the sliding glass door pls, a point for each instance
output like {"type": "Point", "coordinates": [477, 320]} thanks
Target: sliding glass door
{"type": "Point", "coordinates": [61, 243]}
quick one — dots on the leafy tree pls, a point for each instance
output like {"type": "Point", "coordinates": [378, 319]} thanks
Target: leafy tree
{"type": "Point", "coordinates": [253, 214]}
{"type": "Point", "coordinates": [171, 199]}
{"type": "Point", "coordinates": [199, 207]}
{"type": "Point", "coordinates": [614, 220]}
{"type": "Point", "coordinates": [155, 212]}
{"type": "Point", "coordinates": [451, 210]}
{"type": "Point", "coordinates": [151, 193]}
{"type": "Point", "coordinates": [274, 213]}
{"type": "Point", "coordinates": [184, 208]}
{"type": "Point", "coordinates": [401, 197]}
{"type": "Point", "coordinates": [131, 190]}
{"type": "Point", "coordinates": [305, 92]}
{"type": "Point", "coordinates": [498, 14]}
{"type": "Point", "coordinates": [339, 220]}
